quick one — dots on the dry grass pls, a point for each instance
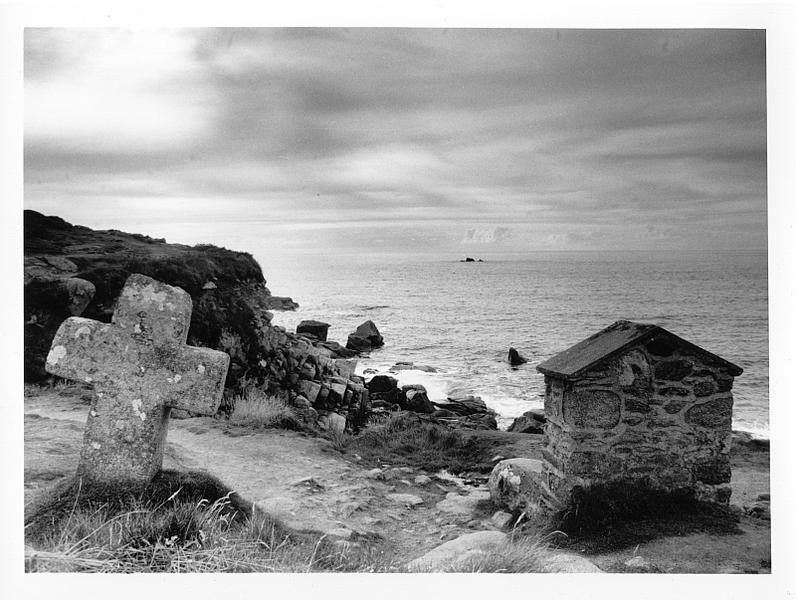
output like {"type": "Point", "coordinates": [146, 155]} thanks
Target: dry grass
{"type": "Point", "coordinates": [405, 439]}
{"type": "Point", "coordinates": [193, 529]}
{"type": "Point", "coordinates": [340, 439]}
{"type": "Point", "coordinates": [262, 411]}
{"type": "Point", "coordinates": [525, 554]}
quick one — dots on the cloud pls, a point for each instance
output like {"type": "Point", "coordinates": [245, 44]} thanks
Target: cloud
{"type": "Point", "coordinates": [111, 90]}
{"type": "Point", "coordinates": [496, 235]}
{"type": "Point", "coordinates": [520, 138]}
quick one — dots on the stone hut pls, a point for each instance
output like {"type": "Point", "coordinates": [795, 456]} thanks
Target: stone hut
{"type": "Point", "coordinates": [637, 404]}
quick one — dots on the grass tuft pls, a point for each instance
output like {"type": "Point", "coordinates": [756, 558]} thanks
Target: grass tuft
{"type": "Point", "coordinates": [523, 554]}
{"type": "Point", "coordinates": [405, 439]}
{"type": "Point", "coordinates": [261, 411]}
{"type": "Point", "coordinates": [341, 440]}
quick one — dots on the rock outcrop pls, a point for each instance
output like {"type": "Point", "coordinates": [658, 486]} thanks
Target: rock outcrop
{"type": "Point", "coordinates": [468, 411]}
{"type": "Point", "coordinates": [416, 399]}
{"type": "Point", "coordinates": [76, 271]}
{"type": "Point", "coordinates": [365, 338]}
{"type": "Point", "coordinates": [458, 550]}
{"type": "Point", "coordinates": [515, 358]}
{"type": "Point", "coordinates": [385, 396]}
{"type": "Point", "coordinates": [531, 421]}
{"type": "Point", "coordinates": [315, 329]}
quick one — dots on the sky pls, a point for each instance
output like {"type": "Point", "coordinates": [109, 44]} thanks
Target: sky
{"type": "Point", "coordinates": [459, 141]}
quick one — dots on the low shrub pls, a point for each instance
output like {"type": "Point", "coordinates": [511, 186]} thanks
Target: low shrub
{"type": "Point", "coordinates": [405, 439]}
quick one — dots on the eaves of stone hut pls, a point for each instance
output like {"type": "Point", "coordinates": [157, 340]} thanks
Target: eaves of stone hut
{"type": "Point", "coordinates": [613, 341]}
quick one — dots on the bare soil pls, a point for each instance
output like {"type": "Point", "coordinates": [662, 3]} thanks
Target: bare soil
{"type": "Point", "coordinates": [307, 483]}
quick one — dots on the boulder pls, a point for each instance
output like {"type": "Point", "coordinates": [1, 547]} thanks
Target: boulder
{"type": "Point", "coordinates": [462, 504]}
{"type": "Point", "coordinates": [564, 562]}
{"type": "Point", "coordinates": [370, 332]}
{"type": "Point", "coordinates": [310, 390]}
{"type": "Point", "coordinates": [515, 358]}
{"type": "Point", "coordinates": [358, 343]}
{"type": "Point", "coordinates": [345, 367]}
{"type": "Point", "coordinates": [416, 399]}
{"type": "Point", "coordinates": [302, 408]}
{"type": "Point", "coordinates": [465, 405]}
{"type": "Point", "coordinates": [450, 553]}
{"type": "Point", "coordinates": [469, 412]}
{"type": "Point", "coordinates": [319, 329]}
{"type": "Point", "coordinates": [337, 390]}
{"type": "Point", "coordinates": [79, 293]}
{"type": "Point", "coordinates": [485, 421]}
{"type": "Point", "coordinates": [336, 350]}
{"type": "Point", "coordinates": [514, 485]}
{"type": "Point", "coordinates": [501, 519]}
{"type": "Point", "coordinates": [332, 421]}
{"type": "Point", "coordinates": [531, 421]}
{"type": "Point", "coordinates": [365, 338]}
{"type": "Point", "coordinates": [381, 383]}
{"type": "Point", "coordinates": [282, 303]}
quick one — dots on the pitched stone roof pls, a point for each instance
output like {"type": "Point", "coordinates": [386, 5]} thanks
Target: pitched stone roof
{"type": "Point", "coordinates": [612, 341]}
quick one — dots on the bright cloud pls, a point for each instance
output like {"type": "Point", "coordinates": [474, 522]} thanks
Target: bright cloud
{"type": "Point", "coordinates": [113, 90]}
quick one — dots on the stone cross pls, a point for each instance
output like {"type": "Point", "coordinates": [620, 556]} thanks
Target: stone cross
{"type": "Point", "coordinates": [140, 368]}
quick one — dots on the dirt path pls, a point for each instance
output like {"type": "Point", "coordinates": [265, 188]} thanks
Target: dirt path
{"type": "Point", "coordinates": [295, 477]}
{"type": "Point", "coordinates": [302, 480]}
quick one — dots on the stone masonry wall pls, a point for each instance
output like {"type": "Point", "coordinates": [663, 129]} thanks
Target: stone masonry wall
{"type": "Point", "coordinates": [658, 414]}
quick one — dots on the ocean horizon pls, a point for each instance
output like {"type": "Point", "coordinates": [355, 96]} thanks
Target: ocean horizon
{"type": "Point", "coordinates": [461, 318]}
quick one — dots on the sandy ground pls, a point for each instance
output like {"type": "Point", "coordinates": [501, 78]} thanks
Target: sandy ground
{"type": "Point", "coordinates": [311, 487]}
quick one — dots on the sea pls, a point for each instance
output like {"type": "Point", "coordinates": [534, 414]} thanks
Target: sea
{"type": "Point", "coordinates": [461, 318]}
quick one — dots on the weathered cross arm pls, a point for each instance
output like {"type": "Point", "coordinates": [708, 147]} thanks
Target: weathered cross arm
{"type": "Point", "coordinates": [82, 350]}
{"type": "Point", "coordinates": [194, 379]}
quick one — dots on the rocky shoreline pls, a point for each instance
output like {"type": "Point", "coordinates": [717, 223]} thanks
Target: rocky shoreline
{"type": "Point", "coordinates": [72, 270]}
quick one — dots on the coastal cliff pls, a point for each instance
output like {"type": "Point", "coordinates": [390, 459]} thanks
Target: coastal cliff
{"type": "Point", "coordinates": [72, 270]}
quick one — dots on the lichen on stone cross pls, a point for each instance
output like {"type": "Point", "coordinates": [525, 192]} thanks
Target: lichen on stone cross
{"type": "Point", "coordinates": [140, 368]}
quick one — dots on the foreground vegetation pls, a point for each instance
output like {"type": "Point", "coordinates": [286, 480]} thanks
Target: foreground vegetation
{"type": "Point", "coordinates": [182, 522]}
{"type": "Point", "coordinates": [189, 522]}
{"type": "Point", "coordinates": [259, 410]}
{"type": "Point", "coordinates": [405, 439]}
